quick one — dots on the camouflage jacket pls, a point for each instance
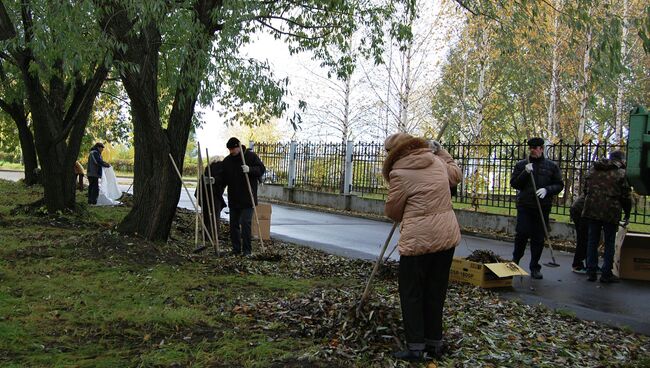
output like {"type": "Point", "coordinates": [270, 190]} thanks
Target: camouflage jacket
{"type": "Point", "coordinates": [607, 192]}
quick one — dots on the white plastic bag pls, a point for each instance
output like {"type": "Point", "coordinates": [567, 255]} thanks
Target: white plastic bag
{"type": "Point", "coordinates": [109, 192]}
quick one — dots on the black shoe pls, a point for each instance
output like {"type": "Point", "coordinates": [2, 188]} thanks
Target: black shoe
{"type": "Point", "coordinates": [412, 355]}
{"type": "Point", "coordinates": [437, 351]}
{"type": "Point", "coordinates": [609, 279]}
{"type": "Point", "coordinates": [591, 276]}
{"type": "Point", "coordinates": [536, 275]}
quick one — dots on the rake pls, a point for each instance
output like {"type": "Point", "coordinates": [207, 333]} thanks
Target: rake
{"type": "Point", "coordinates": [553, 263]}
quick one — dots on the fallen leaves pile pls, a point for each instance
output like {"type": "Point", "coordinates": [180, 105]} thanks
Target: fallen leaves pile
{"type": "Point", "coordinates": [481, 328]}
{"type": "Point", "coordinates": [484, 256]}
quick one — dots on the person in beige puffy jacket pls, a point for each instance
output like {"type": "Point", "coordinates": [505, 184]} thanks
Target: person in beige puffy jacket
{"type": "Point", "coordinates": [420, 176]}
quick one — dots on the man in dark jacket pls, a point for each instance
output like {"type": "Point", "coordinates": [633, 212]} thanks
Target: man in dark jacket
{"type": "Point", "coordinates": [94, 172]}
{"type": "Point", "coordinates": [239, 199]}
{"type": "Point", "coordinates": [548, 181]}
{"type": "Point", "coordinates": [607, 193]}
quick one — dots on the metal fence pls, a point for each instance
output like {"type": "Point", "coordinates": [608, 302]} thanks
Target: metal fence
{"type": "Point", "coordinates": [486, 170]}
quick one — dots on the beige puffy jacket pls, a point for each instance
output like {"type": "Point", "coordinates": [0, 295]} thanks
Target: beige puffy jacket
{"type": "Point", "coordinates": [420, 197]}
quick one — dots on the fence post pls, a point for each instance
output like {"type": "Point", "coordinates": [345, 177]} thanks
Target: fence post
{"type": "Point", "coordinates": [291, 177]}
{"type": "Point", "coordinates": [347, 181]}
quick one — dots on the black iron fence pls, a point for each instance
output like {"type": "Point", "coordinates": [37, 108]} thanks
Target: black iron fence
{"type": "Point", "coordinates": [486, 171]}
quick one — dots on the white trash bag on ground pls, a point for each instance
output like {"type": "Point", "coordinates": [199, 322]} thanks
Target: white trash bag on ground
{"type": "Point", "coordinates": [109, 192]}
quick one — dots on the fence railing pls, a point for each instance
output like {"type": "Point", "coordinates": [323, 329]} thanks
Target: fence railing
{"type": "Point", "coordinates": [355, 168]}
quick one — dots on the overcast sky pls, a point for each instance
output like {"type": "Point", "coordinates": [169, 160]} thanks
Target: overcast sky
{"type": "Point", "coordinates": [300, 69]}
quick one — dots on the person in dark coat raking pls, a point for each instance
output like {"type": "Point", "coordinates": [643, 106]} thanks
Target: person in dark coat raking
{"type": "Point", "coordinates": [548, 181]}
{"type": "Point", "coordinates": [94, 172]}
{"type": "Point", "coordinates": [239, 200]}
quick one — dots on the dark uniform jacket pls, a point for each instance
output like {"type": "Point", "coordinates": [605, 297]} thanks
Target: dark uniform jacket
{"type": "Point", "coordinates": [547, 175]}
{"type": "Point", "coordinates": [607, 192]}
{"type": "Point", "coordinates": [95, 164]}
{"type": "Point", "coordinates": [233, 178]}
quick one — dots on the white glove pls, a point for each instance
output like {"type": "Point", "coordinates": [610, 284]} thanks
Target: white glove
{"type": "Point", "coordinates": [541, 193]}
{"type": "Point", "coordinates": [529, 167]}
{"type": "Point", "coordinates": [245, 169]}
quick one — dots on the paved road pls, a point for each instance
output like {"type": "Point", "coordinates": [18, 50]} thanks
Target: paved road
{"type": "Point", "coordinates": [623, 304]}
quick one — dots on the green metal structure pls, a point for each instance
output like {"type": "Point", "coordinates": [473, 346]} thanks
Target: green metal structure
{"type": "Point", "coordinates": [638, 151]}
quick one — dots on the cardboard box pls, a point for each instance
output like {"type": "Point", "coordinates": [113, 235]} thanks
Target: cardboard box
{"type": "Point", "coordinates": [265, 227]}
{"type": "Point", "coordinates": [632, 257]}
{"type": "Point", "coordinates": [263, 211]}
{"type": "Point", "coordinates": [488, 275]}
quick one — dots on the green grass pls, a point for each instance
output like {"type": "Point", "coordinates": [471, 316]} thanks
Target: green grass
{"type": "Point", "coordinates": [4, 165]}
{"type": "Point", "coordinates": [60, 306]}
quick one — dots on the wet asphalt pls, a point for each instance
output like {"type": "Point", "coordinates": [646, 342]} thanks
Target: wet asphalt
{"type": "Point", "coordinates": [623, 305]}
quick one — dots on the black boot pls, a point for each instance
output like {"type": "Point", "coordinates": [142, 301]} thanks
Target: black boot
{"type": "Point", "coordinates": [435, 349]}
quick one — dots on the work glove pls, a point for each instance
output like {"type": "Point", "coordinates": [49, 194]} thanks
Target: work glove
{"type": "Point", "coordinates": [245, 169]}
{"type": "Point", "coordinates": [541, 192]}
{"type": "Point", "coordinates": [435, 146]}
{"type": "Point", "coordinates": [529, 167]}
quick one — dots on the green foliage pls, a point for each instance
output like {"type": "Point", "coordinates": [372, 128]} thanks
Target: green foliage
{"type": "Point", "coordinates": [518, 77]}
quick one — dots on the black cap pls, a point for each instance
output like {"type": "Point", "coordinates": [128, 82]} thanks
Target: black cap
{"type": "Point", "coordinates": [535, 142]}
{"type": "Point", "coordinates": [232, 143]}
{"type": "Point", "coordinates": [99, 145]}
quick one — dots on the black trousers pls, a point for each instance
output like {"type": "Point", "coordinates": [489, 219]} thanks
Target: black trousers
{"type": "Point", "coordinates": [93, 189]}
{"type": "Point", "coordinates": [240, 229]}
{"type": "Point", "coordinates": [422, 291]}
{"type": "Point", "coordinates": [582, 235]}
{"type": "Point", "coordinates": [529, 226]}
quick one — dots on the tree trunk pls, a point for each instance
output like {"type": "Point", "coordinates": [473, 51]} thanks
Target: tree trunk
{"type": "Point", "coordinates": [586, 74]}
{"type": "Point", "coordinates": [551, 122]}
{"type": "Point", "coordinates": [30, 163]}
{"type": "Point", "coordinates": [28, 149]}
{"type": "Point", "coordinates": [484, 63]}
{"type": "Point", "coordinates": [157, 186]}
{"type": "Point", "coordinates": [59, 123]}
{"type": "Point", "coordinates": [620, 83]}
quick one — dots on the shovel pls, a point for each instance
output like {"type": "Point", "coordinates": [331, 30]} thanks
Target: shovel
{"type": "Point", "coordinates": [541, 216]}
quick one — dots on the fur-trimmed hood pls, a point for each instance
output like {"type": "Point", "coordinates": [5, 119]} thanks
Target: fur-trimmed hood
{"type": "Point", "coordinates": [408, 147]}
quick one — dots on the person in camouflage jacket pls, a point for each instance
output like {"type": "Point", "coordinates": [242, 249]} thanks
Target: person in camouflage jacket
{"type": "Point", "coordinates": [607, 192]}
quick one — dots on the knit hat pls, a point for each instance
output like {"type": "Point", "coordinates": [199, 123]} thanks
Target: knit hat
{"type": "Point", "coordinates": [232, 143]}
{"type": "Point", "coordinates": [395, 140]}
{"type": "Point", "coordinates": [536, 142]}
